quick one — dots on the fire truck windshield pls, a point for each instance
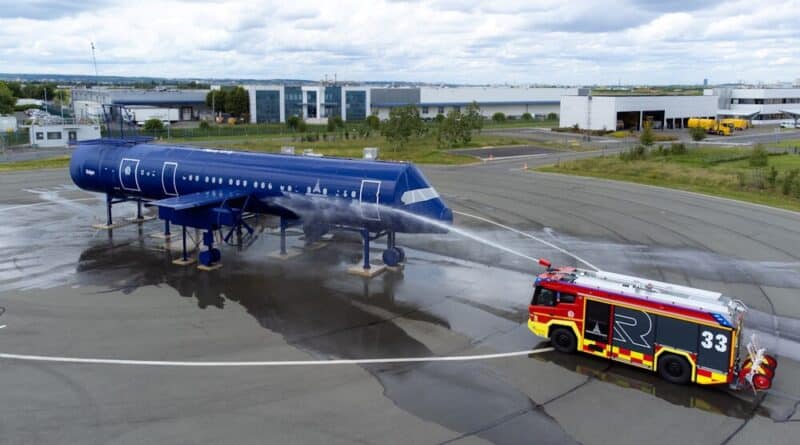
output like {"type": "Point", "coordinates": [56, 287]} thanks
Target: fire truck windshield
{"type": "Point", "coordinates": [544, 297]}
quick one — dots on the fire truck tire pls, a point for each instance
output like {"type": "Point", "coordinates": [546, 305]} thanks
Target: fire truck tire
{"type": "Point", "coordinates": [563, 340]}
{"type": "Point", "coordinates": [675, 369]}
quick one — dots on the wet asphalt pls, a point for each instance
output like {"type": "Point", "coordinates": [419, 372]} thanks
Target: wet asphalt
{"type": "Point", "coordinates": [70, 290]}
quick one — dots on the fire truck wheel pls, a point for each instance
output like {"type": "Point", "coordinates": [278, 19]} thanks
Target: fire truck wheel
{"type": "Point", "coordinates": [770, 361]}
{"type": "Point", "coordinates": [674, 368]}
{"type": "Point", "coordinates": [563, 340]}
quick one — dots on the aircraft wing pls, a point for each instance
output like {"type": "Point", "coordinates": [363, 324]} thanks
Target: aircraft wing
{"type": "Point", "coordinates": [199, 199]}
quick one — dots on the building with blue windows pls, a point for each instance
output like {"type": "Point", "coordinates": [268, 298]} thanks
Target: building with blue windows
{"type": "Point", "coordinates": [313, 103]}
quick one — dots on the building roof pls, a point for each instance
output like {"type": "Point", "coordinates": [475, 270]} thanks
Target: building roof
{"type": "Point", "coordinates": [792, 112]}
{"type": "Point", "coordinates": [742, 113]}
{"type": "Point", "coordinates": [464, 104]}
{"type": "Point", "coordinates": [130, 96]}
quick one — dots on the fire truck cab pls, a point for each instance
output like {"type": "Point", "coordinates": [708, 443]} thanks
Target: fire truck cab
{"type": "Point", "coordinates": [682, 333]}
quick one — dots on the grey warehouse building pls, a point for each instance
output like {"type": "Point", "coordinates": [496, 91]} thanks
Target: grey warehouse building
{"type": "Point", "coordinates": [187, 104]}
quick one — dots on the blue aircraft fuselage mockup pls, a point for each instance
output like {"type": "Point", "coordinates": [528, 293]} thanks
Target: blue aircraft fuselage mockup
{"type": "Point", "coordinates": [209, 189]}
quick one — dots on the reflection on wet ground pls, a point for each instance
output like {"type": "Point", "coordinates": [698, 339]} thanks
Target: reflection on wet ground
{"type": "Point", "coordinates": [709, 399]}
{"type": "Point", "coordinates": [315, 306]}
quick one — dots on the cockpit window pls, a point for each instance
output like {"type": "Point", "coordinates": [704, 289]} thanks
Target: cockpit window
{"type": "Point", "coordinates": [418, 195]}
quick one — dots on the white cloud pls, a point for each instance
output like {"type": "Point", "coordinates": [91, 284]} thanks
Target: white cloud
{"type": "Point", "coordinates": [548, 41]}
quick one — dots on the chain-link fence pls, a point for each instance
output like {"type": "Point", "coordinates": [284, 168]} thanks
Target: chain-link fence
{"type": "Point", "coordinates": [217, 131]}
{"type": "Point", "coordinates": [13, 138]}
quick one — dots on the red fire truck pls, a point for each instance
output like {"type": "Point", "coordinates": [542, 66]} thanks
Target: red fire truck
{"type": "Point", "coordinates": [682, 333]}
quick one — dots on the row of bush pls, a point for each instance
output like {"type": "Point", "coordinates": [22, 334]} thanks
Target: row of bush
{"type": "Point", "coordinates": [771, 179]}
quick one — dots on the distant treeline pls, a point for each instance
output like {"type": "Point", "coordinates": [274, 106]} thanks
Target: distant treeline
{"type": "Point", "coordinates": [32, 90]}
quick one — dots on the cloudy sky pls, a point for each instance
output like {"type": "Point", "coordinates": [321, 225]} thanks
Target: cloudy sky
{"type": "Point", "coordinates": [458, 41]}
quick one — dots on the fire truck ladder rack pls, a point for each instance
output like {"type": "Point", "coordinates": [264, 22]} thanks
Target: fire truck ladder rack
{"type": "Point", "coordinates": [683, 296]}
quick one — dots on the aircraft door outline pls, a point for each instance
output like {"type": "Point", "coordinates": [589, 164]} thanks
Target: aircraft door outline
{"type": "Point", "coordinates": [168, 173]}
{"type": "Point", "coordinates": [370, 191]}
{"type": "Point", "coordinates": [129, 174]}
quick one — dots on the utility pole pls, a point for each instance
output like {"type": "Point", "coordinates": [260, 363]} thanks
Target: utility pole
{"type": "Point", "coordinates": [589, 118]}
{"type": "Point", "coordinates": [94, 59]}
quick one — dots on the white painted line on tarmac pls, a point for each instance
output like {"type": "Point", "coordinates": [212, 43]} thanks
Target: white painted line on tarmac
{"type": "Point", "coordinates": [3, 326]}
{"type": "Point", "coordinates": [366, 361]}
{"type": "Point", "coordinates": [528, 235]}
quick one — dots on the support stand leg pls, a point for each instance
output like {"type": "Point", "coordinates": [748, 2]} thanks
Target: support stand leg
{"type": "Point", "coordinates": [139, 209]}
{"type": "Point", "coordinates": [109, 222]}
{"type": "Point", "coordinates": [283, 235]}
{"type": "Point", "coordinates": [366, 270]}
{"type": "Point", "coordinates": [183, 239]}
{"type": "Point", "coordinates": [167, 234]}
{"type": "Point", "coordinates": [284, 253]}
{"type": "Point", "coordinates": [184, 260]}
{"type": "Point", "coordinates": [365, 236]}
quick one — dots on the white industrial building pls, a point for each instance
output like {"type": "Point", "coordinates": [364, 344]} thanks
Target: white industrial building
{"type": "Point", "coordinates": [630, 112]}
{"type": "Point", "coordinates": [316, 102]}
{"type": "Point", "coordinates": [762, 105]}
{"type": "Point", "coordinates": [759, 105]}
{"type": "Point", "coordinates": [432, 101]}
{"type": "Point", "coordinates": [62, 134]}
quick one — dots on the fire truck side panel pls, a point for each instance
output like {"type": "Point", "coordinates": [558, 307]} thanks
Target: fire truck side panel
{"type": "Point", "coordinates": [634, 337]}
{"type": "Point", "coordinates": [596, 329]}
{"type": "Point", "coordinates": [714, 358]}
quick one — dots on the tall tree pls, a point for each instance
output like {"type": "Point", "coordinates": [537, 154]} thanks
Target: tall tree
{"type": "Point", "coordinates": [216, 98]}
{"type": "Point", "coordinates": [237, 102]}
{"type": "Point", "coordinates": [472, 116]}
{"type": "Point", "coordinates": [7, 99]}
{"type": "Point", "coordinates": [403, 124]}
{"type": "Point", "coordinates": [454, 130]}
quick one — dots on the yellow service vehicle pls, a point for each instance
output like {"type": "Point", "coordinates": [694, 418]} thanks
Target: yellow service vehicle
{"type": "Point", "coordinates": [721, 129]}
{"type": "Point", "coordinates": [736, 124]}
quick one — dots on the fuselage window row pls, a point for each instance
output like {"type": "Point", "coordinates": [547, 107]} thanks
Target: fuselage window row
{"type": "Point", "coordinates": [256, 184]}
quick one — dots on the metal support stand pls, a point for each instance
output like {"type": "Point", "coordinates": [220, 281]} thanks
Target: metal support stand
{"type": "Point", "coordinates": [184, 260]}
{"type": "Point", "coordinates": [283, 235]}
{"type": "Point", "coordinates": [139, 209]}
{"type": "Point", "coordinates": [366, 270]}
{"type": "Point", "coordinates": [185, 257]}
{"type": "Point", "coordinates": [109, 200]}
{"type": "Point", "coordinates": [167, 234]}
{"type": "Point", "coordinates": [365, 235]}
{"type": "Point", "coordinates": [390, 241]}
